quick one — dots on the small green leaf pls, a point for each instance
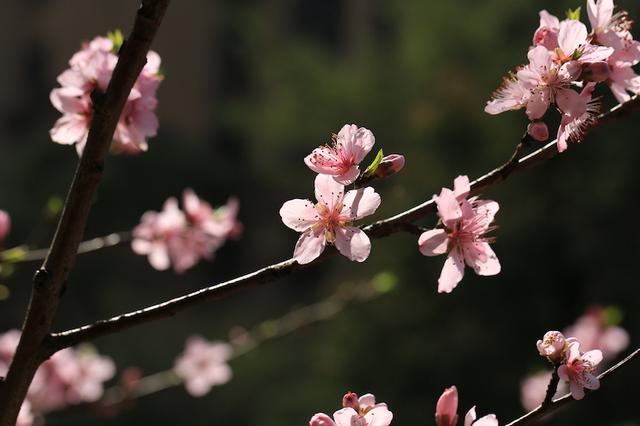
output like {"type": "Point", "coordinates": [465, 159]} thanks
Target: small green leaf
{"type": "Point", "coordinates": [574, 14]}
{"type": "Point", "coordinates": [384, 282]}
{"type": "Point", "coordinates": [612, 315]}
{"type": "Point", "coordinates": [53, 207]}
{"type": "Point", "coordinates": [374, 165]}
{"type": "Point", "coordinates": [117, 39]}
{"type": "Point", "coordinates": [269, 328]}
{"type": "Point", "coordinates": [14, 255]}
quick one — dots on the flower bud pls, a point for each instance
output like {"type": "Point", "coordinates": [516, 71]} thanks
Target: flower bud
{"type": "Point", "coordinates": [447, 408]}
{"type": "Point", "coordinates": [321, 420]}
{"type": "Point", "coordinates": [350, 400]}
{"type": "Point", "coordinates": [538, 131]}
{"type": "Point", "coordinates": [5, 225]}
{"type": "Point", "coordinates": [390, 164]}
{"type": "Point", "coordinates": [596, 71]}
{"type": "Point", "coordinates": [553, 346]}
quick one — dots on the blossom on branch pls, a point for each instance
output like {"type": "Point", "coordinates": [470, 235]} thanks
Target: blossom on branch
{"type": "Point", "coordinates": [330, 220]}
{"type": "Point", "coordinates": [554, 346]}
{"type": "Point", "coordinates": [203, 364]}
{"type": "Point", "coordinates": [447, 411]}
{"type": "Point", "coordinates": [578, 370]}
{"type": "Point", "coordinates": [91, 69]}
{"type": "Point", "coordinates": [466, 223]}
{"type": "Point", "coordinates": [341, 159]}
{"type": "Point", "coordinates": [356, 411]}
{"type": "Point", "coordinates": [178, 238]}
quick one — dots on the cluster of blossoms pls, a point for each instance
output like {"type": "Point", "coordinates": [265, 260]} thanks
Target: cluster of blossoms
{"type": "Point", "coordinates": [565, 55]}
{"type": "Point", "coordinates": [593, 331]}
{"type": "Point", "coordinates": [330, 219]}
{"type": "Point", "coordinates": [356, 411]}
{"type": "Point", "coordinates": [466, 223]}
{"type": "Point", "coordinates": [5, 226]}
{"type": "Point", "coordinates": [91, 68]}
{"type": "Point", "coordinates": [447, 411]}
{"type": "Point", "coordinates": [180, 238]}
{"type": "Point", "coordinates": [574, 367]}
{"type": "Point", "coordinates": [71, 376]}
{"type": "Point", "coordinates": [203, 364]}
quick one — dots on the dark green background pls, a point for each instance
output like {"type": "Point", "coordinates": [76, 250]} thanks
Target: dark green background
{"type": "Point", "coordinates": [251, 87]}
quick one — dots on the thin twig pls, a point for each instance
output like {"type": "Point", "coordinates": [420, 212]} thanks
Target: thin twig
{"type": "Point", "coordinates": [552, 387]}
{"type": "Point", "coordinates": [50, 280]}
{"type": "Point", "coordinates": [545, 410]}
{"type": "Point", "coordinates": [382, 228]}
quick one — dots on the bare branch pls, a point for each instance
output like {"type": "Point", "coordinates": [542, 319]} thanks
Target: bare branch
{"type": "Point", "coordinates": [547, 409]}
{"type": "Point", "coordinates": [402, 222]}
{"type": "Point", "coordinates": [50, 280]}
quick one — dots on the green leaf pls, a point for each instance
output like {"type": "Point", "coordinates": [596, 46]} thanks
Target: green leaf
{"type": "Point", "coordinates": [53, 207]}
{"type": "Point", "coordinates": [374, 165]}
{"type": "Point", "coordinates": [117, 39]}
{"type": "Point", "coordinates": [384, 282]}
{"type": "Point", "coordinates": [14, 255]}
{"type": "Point", "coordinates": [574, 14]}
{"type": "Point", "coordinates": [612, 315]}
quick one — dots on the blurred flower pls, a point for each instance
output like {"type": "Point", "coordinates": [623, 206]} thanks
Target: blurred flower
{"type": "Point", "coordinates": [467, 222]}
{"type": "Point", "coordinates": [578, 370]}
{"type": "Point", "coordinates": [361, 411]}
{"type": "Point", "coordinates": [329, 221]}
{"type": "Point", "coordinates": [350, 146]}
{"type": "Point", "coordinates": [5, 225]}
{"type": "Point", "coordinates": [593, 332]}
{"type": "Point", "coordinates": [25, 416]}
{"type": "Point", "coordinates": [203, 364]}
{"type": "Point", "coordinates": [181, 238]}
{"type": "Point", "coordinates": [533, 389]}
{"type": "Point", "coordinates": [91, 68]}
{"type": "Point", "coordinates": [447, 411]}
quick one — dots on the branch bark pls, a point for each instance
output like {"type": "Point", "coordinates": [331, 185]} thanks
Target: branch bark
{"type": "Point", "coordinates": [49, 281]}
{"type": "Point", "coordinates": [402, 222]}
{"type": "Point", "coordinates": [546, 409]}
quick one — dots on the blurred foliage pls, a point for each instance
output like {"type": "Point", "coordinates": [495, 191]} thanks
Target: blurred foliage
{"type": "Point", "coordinates": [251, 87]}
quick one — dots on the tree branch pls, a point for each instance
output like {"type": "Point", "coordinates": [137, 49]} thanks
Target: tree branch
{"type": "Point", "coordinates": [50, 280]}
{"type": "Point", "coordinates": [402, 222]}
{"type": "Point", "coordinates": [546, 409]}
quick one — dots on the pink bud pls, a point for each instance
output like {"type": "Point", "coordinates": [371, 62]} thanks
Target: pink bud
{"type": "Point", "coordinates": [596, 72]}
{"type": "Point", "coordinates": [321, 420]}
{"type": "Point", "coordinates": [5, 225]}
{"type": "Point", "coordinates": [350, 400]}
{"type": "Point", "coordinates": [553, 345]}
{"type": "Point", "coordinates": [538, 130]}
{"type": "Point", "coordinates": [447, 407]}
{"type": "Point", "coordinates": [390, 164]}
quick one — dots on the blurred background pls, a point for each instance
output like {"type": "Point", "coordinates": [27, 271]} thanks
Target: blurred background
{"type": "Point", "coordinates": [252, 87]}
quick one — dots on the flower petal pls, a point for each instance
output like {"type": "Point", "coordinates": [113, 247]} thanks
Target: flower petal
{"type": "Point", "coordinates": [448, 207]}
{"type": "Point", "coordinates": [353, 243]}
{"type": "Point", "coordinates": [309, 246]}
{"type": "Point", "coordinates": [433, 242]}
{"type": "Point", "coordinates": [360, 203]}
{"type": "Point", "coordinates": [328, 191]}
{"type": "Point", "coordinates": [481, 258]}
{"type": "Point", "coordinates": [571, 36]}
{"type": "Point", "coordinates": [452, 272]}
{"type": "Point", "coordinates": [345, 417]}
{"type": "Point", "coordinates": [299, 214]}
{"type": "Point", "coordinates": [379, 416]}
{"type": "Point", "coordinates": [323, 160]}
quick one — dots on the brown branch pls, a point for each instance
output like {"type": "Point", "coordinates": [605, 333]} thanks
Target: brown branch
{"type": "Point", "coordinates": [50, 280]}
{"type": "Point", "coordinates": [22, 254]}
{"type": "Point", "coordinates": [402, 222]}
{"type": "Point", "coordinates": [546, 409]}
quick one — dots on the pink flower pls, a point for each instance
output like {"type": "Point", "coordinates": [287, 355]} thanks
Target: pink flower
{"type": "Point", "coordinates": [447, 408]}
{"type": "Point", "coordinates": [512, 95]}
{"type": "Point", "coordinates": [547, 32]}
{"type": "Point", "coordinates": [341, 160]}
{"type": "Point", "coordinates": [578, 370]}
{"type": "Point", "coordinates": [361, 412]}
{"type": "Point", "coordinates": [574, 45]}
{"type": "Point", "coordinates": [553, 346]}
{"type": "Point", "coordinates": [329, 221]}
{"type": "Point", "coordinates": [466, 223]}
{"type": "Point", "coordinates": [203, 365]}
{"type": "Point", "coordinates": [579, 112]}
{"type": "Point", "coordinates": [592, 331]}
{"type": "Point", "coordinates": [447, 411]}
{"type": "Point", "coordinates": [5, 225]}
{"type": "Point", "coordinates": [91, 68]}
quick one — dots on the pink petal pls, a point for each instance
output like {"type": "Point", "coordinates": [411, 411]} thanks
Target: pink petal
{"type": "Point", "coordinates": [345, 417]}
{"type": "Point", "coordinates": [379, 416]}
{"type": "Point", "coordinates": [599, 14]}
{"type": "Point", "coordinates": [548, 20]}
{"type": "Point", "coordinates": [299, 214]}
{"type": "Point", "coordinates": [452, 272]}
{"type": "Point", "coordinates": [448, 207]}
{"type": "Point", "coordinates": [590, 381]}
{"type": "Point", "coordinates": [577, 390]}
{"type": "Point", "coordinates": [355, 142]}
{"type": "Point", "coordinates": [563, 374]}
{"type": "Point", "coordinates": [486, 208]}
{"type": "Point", "coordinates": [470, 416]}
{"type": "Point", "coordinates": [309, 246]}
{"type": "Point", "coordinates": [571, 36]}
{"type": "Point", "coordinates": [159, 257]}
{"type": "Point", "coordinates": [461, 186]}
{"type": "Point", "coordinates": [323, 160]}
{"type": "Point", "coordinates": [353, 243]}
{"type": "Point", "coordinates": [349, 176]}
{"type": "Point", "coordinates": [69, 129]}
{"type": "Point", "coordinates": [367, 400]}
{"type": "Point", "coordinates": [538, 104]}
{"type": "Point", "coordinates": [321, 419]}
{"type": "Point", "coordinates": [488, 420]}
{"type": "Point", "coordinates": [360, 203]}
{"type": "Point", "coordinates": [433, 242]}
{"type": "Point", "coordinates": [328, 191]}
{"type": "Point", "coordinates": [481, 258]}
{"type": "Point", "coordinates": [594, 357]}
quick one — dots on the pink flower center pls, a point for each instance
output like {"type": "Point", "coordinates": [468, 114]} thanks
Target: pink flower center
{"type": "Point", "coordinates": [330, 219]}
